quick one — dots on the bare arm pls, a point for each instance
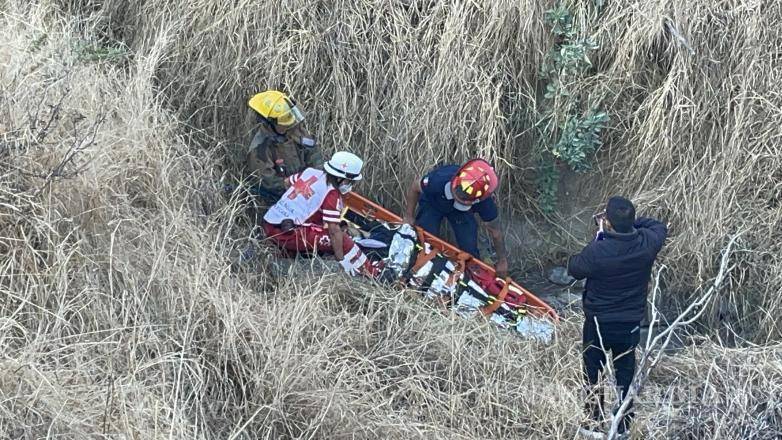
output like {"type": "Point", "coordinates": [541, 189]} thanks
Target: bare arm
{"type": "Point", "coordinates": [411, 201]}
{"type": "Point", "coordinates": [498, 240]}
{"type": "Point", "coordinates": [336, 237]}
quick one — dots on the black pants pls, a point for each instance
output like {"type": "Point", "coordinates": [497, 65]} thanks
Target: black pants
{"type": "Point", "coordinates": [621, 339]}
{"type": "Point", "coordinates": [463, 223]}
{"type": "Point", "coordinates": [258, 202]}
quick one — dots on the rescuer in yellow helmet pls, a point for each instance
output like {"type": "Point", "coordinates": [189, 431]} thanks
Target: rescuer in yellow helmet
{"type": "Point", "coordinates": [280, 146]}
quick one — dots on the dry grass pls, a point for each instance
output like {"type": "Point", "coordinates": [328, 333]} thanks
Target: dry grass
{"type": "Point", "coordinates": [122, 317]}
{"type": "Point", "coordinates": [691, 88]}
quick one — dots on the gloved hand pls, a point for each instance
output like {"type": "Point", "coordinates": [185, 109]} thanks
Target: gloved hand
{"type": "Point", "coordinates": [287, 225]}
{"type": "Point", "coordinates": [347, 265]}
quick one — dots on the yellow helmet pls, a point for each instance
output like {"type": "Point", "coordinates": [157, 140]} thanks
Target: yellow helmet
{"type": "Point", "coordinates": [276, 107]}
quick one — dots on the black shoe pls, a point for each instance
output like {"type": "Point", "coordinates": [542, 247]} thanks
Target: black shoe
{"type": "Point", "coordinates": [623, 431]}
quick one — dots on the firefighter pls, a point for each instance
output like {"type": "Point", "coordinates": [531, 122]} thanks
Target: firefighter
{"type": "Point", "coordinates": [280, 145]}
{"type": "Point", "coordinates": [306, 219]}
{"type": "Point", "coordinates": [457, 194]}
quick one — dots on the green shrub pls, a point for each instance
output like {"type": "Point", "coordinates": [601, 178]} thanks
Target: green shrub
{"type": "Point", "coordinates": [569, 134]}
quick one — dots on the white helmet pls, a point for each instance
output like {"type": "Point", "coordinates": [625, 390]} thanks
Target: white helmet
{"type": "Point", "coordinates": [345, 165]}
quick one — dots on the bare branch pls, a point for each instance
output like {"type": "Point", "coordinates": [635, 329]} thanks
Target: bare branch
{"type": "Point", "coordinates": [655, 347]}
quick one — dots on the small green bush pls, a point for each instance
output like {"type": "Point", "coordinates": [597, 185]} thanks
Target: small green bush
{"type": "Point", "coordinates": [569, 134]}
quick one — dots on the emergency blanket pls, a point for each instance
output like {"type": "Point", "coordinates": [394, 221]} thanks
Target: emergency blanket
{"type": "Point", "coordinates": [469, 290]}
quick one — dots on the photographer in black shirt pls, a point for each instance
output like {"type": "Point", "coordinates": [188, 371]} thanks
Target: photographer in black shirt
{"type": "Point", "coordinates": [617, 266]}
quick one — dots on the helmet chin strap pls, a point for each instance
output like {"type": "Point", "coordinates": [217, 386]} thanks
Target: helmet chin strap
{"type": "Point", "coordinates": [271, 125]}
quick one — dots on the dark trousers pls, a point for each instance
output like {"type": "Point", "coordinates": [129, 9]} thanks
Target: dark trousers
{"type": "Point", "coordinates": [464, 225]}
{"type": "Point", "coordinates": [269, 197]}
{"type": "Point", "coordinates": [258, 202]}
{"type": "Point", "coordinates": [621, 339]}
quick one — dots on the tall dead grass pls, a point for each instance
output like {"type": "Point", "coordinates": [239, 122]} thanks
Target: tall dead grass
{"type": "Point", "coordinates": [409, 83]}
{"type": "Point", "coordinates": [122, 317]}
{"type": "Point", "coordinates": [691, 88]}
{"type": "Point", "coordinates": [703, 148]}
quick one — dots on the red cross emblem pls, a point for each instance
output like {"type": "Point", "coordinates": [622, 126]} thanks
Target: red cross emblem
{"type": "Point", "coordinates": [303, 188]}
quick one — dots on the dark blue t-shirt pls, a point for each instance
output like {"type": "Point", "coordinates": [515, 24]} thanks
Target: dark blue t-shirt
{"type": "Point", "coordinates": [433, 191]}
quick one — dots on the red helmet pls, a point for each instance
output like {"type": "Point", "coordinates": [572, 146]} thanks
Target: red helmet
{"type": "Point", "coordinates": [475, 181]}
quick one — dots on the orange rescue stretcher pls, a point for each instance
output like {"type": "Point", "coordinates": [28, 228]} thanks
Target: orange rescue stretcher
{"type": "Point", "coordinates": [512, 292]}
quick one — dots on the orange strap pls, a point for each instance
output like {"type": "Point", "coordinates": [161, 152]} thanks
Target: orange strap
{"type": "Point", "coordinates": [422, 258]}
{"type": "Point", "coordinates": [461, 265]}
{"type": "Point", "coordinates": [491, 308]}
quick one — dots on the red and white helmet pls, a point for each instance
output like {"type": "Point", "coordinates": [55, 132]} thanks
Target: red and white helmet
{"type": "Point", "coordinates": [344, 164]}
{"type": "Point", "coordinates": [475, 181]}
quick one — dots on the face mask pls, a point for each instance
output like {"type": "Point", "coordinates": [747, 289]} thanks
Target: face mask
{"type": "Point", "coordinates": [462, 206]}
{"type": "Point", "coordinates": [345, 187]}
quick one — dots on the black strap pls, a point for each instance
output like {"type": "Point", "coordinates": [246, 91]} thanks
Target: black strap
{"type": "Point", "coordinates": [438, 265]}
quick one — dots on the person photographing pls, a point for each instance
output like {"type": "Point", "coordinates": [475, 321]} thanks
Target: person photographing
{"type": "Point", "coordinates": [617, 267]}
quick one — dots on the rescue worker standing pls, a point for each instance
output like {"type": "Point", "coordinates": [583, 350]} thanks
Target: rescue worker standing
{"type": "Point", "coordinates": [306, 219]}
{"type": "Point", "coordinates": [457, 194]}
{"type": "Point", "coordinates": [280, 146]}
{"type": "Point", "coordinates": [617, 266]}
